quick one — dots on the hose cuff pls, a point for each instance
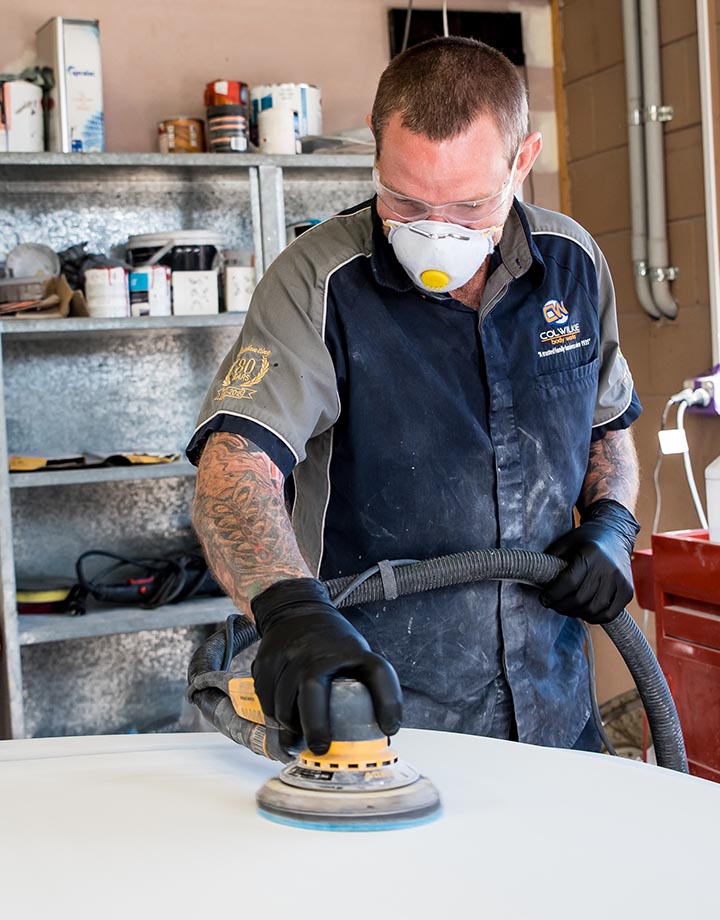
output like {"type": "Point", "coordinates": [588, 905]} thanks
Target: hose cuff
{"type": "Point", "coordinates": [615, 516]}
{"type": "Point", "coordinates": [288, 598]}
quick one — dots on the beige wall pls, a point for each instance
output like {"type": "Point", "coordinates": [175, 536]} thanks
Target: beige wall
{"type": "Point", "coordinates": [661, 354]}
{"type": "Point", "coordinates": [158, 55]}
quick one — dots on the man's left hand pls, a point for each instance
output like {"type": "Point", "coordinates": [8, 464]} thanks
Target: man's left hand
{"type": "Point", "coordinates": [597, 583]}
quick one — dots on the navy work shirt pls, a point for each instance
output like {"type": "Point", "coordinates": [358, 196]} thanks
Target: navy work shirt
{"type": "Point", "coordinates": [415, 426]}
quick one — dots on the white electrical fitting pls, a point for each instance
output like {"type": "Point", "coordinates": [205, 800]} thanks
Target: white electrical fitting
{"type": "Point", "coordinates": [674, 441]}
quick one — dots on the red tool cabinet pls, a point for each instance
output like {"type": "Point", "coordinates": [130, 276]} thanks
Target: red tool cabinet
{"type": "Point", "coordinates": [684, 568]}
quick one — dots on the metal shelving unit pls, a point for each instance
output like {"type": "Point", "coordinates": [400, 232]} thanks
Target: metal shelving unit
{"type": "Point", "coordinates": [29, 329]}
{"type": "Point", "coordinates": [100, 385]}
{"type": "Point", "coordinates": [101, 474]}
{"type": "Point", "coordinates": [36, 628]}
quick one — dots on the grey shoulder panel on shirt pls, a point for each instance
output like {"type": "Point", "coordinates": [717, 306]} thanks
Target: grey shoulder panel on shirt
{"type": "Point", "coordinates": [553, 223]}
{"type": "Point", "coordinates": [615, 385]}
{"type": "Point", "coordinates": [279, 374]}
{"type": "Point", "coordinates": [323, 249]}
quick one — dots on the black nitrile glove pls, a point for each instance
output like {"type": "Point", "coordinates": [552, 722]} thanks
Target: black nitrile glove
{"type": "Point", "coordinates": [597, 583]}
{"type": "Point", "coordinates": [305, 643]}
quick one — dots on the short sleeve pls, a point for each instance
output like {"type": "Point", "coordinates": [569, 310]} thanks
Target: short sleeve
{"type": "Point", "coordinates": [277, 385]}
{"type": "Point", "coordinates": [617, 405]}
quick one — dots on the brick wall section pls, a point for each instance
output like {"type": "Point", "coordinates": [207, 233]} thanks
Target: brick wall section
{"type": "Point", "coordinates": [661, 354]}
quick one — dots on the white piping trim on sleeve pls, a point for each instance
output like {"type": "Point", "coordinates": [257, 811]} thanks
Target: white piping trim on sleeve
{"type": "Point", "coordinates": [327, 504]}
{"type": "Point", "coordinates": [619, 414]}
{"type": "Point", "coordinates": [566, 236]}
{"type": "Point", "coordinates": [249, 418]}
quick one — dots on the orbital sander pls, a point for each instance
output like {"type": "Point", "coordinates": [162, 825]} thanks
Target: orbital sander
{"type": "Point", "coordinates": [360, 783]}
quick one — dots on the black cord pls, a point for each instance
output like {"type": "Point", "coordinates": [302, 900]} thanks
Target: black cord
{"type": "Point", "coordinates": [229, 641]}
{"type": "Point", "coordinates": [172, 577]}
{"type": "Point", "coordinates": [150, 565]}
{"type": "Point", "coordinates": [363, 577]}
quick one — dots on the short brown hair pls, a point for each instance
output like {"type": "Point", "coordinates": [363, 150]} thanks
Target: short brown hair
{"type": "Point", "coordinates": [441, 86]}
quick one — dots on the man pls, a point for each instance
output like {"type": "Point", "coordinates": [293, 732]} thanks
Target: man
{"type": "Point", "coordinates": [439, 370]}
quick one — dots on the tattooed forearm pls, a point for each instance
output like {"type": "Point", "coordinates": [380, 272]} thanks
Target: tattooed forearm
{"type": "Point", "coordinates": [240, 517]}
{"type": "Point", "coordinates": [612, 471]}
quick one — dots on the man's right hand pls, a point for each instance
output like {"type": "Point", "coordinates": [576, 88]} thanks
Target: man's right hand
{"type": "Point", "coordinates": [305, 643]}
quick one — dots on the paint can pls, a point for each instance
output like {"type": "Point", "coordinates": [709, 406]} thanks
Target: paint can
{"type": "Point", "coordinates": [150, 293]}
{"type": "Point", "coordinates": [227, 92]}
{"type": "Point", "coordinates": [181, 135]}
{"type": "Point", "coordinates": [196, 254]}
{"type": "Point", "coordinates": [228, 128]}
{"type": "Point", "coordinates": [277, 131]}
{"type": "Point", "coordinates": [21, 117]}
{"type": "Point", "coordinates": [303, 98]}
{"type": "Point", "coordinates": [179, 250]}
{"type": "Point", "coordinates": [106, 292]}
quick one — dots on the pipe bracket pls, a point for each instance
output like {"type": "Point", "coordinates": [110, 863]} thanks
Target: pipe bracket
{"type": "Point", "coordinates": [641, 269]}
{"type": "Point", "coordinates": [663, 273]}
{"type": "Point", "coordinates": [659, 113]}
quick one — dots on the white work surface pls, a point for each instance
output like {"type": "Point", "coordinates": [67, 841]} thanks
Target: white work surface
{"type": "Point", "coordinates": [164, 826]}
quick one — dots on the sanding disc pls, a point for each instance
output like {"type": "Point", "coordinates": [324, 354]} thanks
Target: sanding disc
{"type": "Point", "coordinates": [416, 803]}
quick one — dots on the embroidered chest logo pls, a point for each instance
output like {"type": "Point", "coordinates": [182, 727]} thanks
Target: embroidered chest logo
{"type": "Point", "coordinates": [555, 313]}
{"type": "Point", "coordinates": [247, 370]}
{"type": "Point", "coordinates": [563, 334]}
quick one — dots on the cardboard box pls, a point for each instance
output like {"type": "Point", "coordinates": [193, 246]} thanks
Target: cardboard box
{"type": "Point", "coordinates": [74, 106]}
{"type": "Point", "coordinates": [195, 293]}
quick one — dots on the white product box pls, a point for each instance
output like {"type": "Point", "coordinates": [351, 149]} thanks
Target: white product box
{"type": "Point", "coordinates": [712, 490]}
{"type": "Point", "coordinates": [195, 293]}
{"type": "Point", "coordinates": [74, 110]}
{"type": "Point", "coordinates": [239, 286]}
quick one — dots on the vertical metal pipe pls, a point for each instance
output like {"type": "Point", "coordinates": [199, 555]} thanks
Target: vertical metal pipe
{"type": "Point", "coordinates": [12, 722]}
{"type": "Point", "coordinates": [658, 255]}
{"type": "Point", "coordinates": [636, 157]}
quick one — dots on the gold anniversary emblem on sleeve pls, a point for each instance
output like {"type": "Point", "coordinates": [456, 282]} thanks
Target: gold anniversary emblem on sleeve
{"type": "Point", "coordinates": [247, 370]}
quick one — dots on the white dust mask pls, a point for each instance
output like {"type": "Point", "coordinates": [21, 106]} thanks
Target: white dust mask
{"type": "Point", "coordinates": [439, 256]}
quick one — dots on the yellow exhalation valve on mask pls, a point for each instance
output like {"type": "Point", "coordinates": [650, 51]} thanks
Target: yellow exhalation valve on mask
{"type": "Point", "coordinates": [434, 279]}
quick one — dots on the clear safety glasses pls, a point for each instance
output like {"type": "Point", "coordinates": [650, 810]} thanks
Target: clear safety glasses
{"type": "Point", "coordinates": [465, 213]}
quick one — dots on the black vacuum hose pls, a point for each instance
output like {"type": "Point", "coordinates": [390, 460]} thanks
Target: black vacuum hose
{"type": "Point", "coordinates": [390, 580]}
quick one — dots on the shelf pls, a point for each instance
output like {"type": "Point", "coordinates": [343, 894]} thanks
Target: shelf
{"type": "Point", "coordinates": [74, 325]}
{"type": "Point", "coordinates": [186, 160]}
{"type": "Point", "coordinates": [101, 474]}
{"type": "Point", "coordinates": [34, 629]}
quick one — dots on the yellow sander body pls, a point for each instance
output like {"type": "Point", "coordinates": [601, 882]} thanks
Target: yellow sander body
{"type": "Point", "coordinates": [360, 783]}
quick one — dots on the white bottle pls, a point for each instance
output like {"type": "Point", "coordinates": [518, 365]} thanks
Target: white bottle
{"type": "Point", "coordinates": [712, 489]}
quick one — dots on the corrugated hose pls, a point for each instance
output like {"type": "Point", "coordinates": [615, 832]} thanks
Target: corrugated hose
{"type": "Point", "coordinates": [388, 580]}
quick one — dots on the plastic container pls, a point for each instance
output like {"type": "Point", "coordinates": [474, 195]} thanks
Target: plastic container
{"type": "Point", "coordinates": [712, 491]}
{"type": "Point", "coordinates": [106, 292]}
{"type": "Point", "coordinates": [180, 250]}
{"type": "Point", "coordinates": [16, 289]}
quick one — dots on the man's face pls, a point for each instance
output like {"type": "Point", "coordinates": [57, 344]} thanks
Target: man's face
{"type": "Point", "coordinates": [465, 168]}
